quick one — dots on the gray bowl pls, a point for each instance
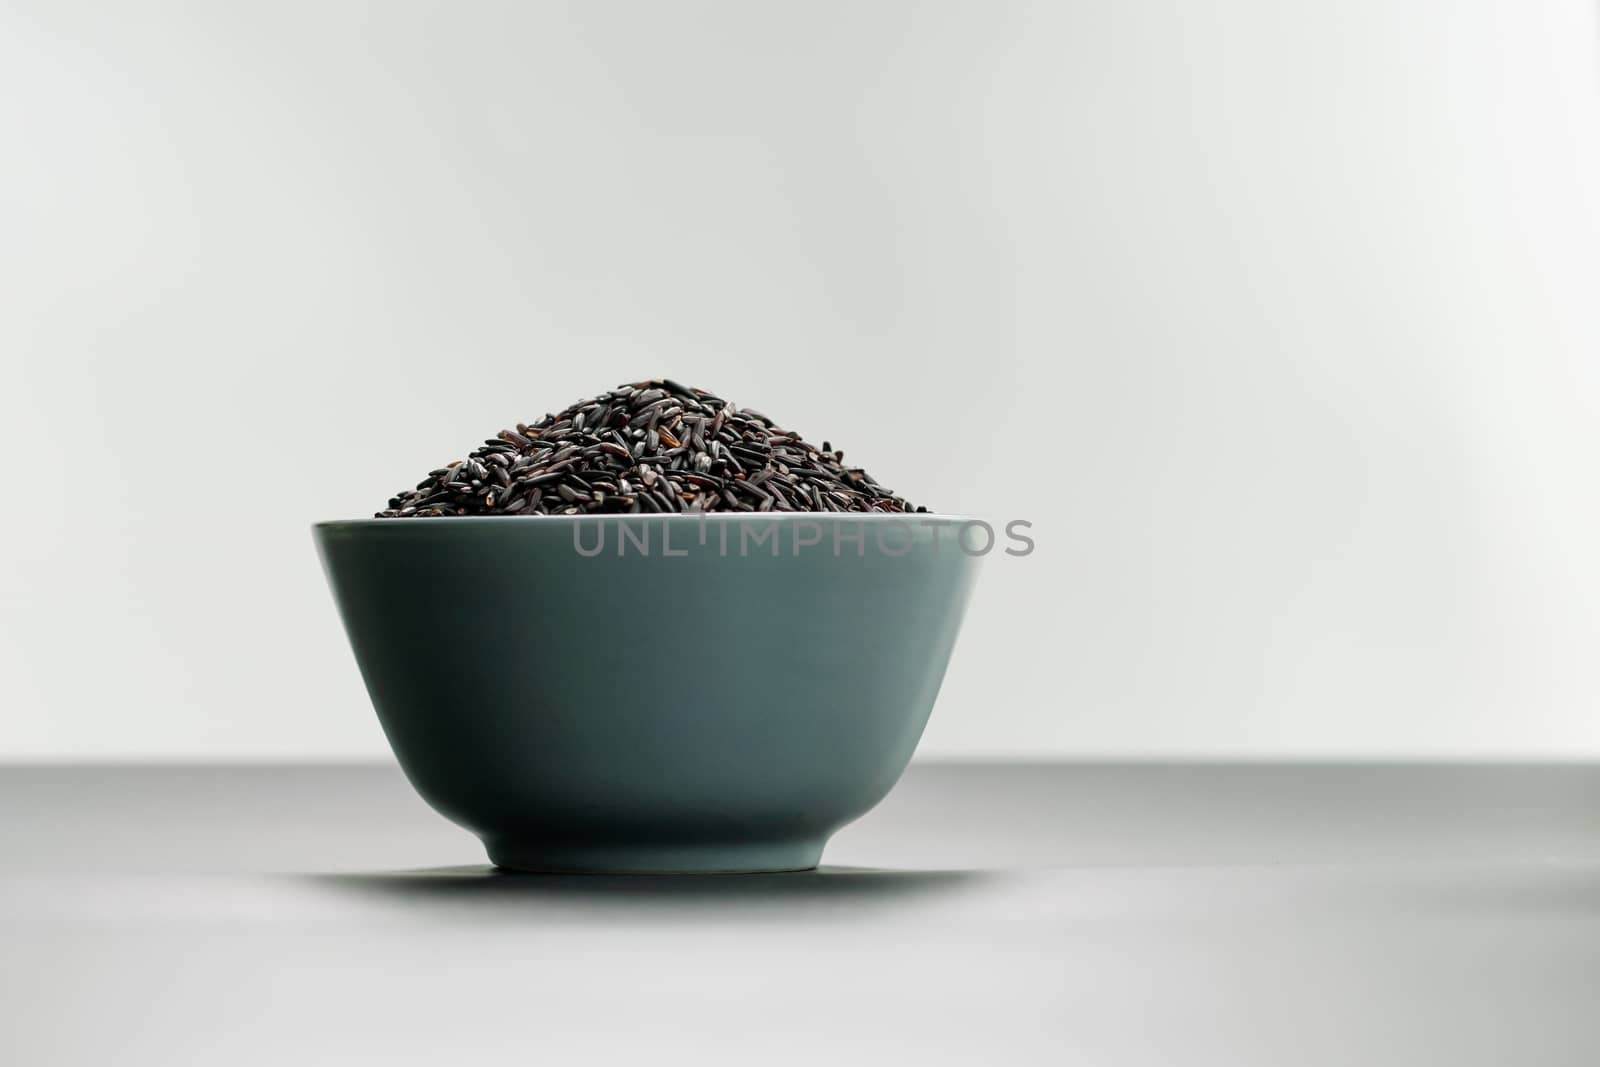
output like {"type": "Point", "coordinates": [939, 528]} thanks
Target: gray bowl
{"type": "Point", "coordinates": [651, 693]}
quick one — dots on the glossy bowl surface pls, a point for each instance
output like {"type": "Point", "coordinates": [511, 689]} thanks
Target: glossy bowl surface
{"type": "Point", "coordinates": [651, 693]}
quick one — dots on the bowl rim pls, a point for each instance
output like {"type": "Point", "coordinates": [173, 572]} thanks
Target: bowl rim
{"type": "Point", "coordinates": [915, 518]}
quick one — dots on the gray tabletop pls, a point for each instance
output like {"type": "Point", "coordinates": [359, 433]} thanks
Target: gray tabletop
{"type": "Point", "coordinates": [985, 913]}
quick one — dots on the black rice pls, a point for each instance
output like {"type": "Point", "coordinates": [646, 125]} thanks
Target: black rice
{"type": "Point", "coordinates": [655, 446]}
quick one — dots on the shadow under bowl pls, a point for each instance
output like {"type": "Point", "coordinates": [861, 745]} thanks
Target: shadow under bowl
{"type": "Point", "coordinates": [652, 693]}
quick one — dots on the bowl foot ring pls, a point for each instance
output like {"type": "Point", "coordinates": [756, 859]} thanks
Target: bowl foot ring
{"type": "Point", "coordinates": [566, 857]}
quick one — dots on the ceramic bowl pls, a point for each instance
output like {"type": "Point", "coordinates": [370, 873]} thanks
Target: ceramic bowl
{"type": "Point", "coordinates": [651, 693]}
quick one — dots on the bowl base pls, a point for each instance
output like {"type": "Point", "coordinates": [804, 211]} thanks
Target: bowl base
{"type": "Point", "coordinates": [565, 857]}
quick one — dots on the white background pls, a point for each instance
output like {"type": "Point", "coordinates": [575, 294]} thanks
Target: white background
{"type": "Point", "coordinates": [1277, 320]}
